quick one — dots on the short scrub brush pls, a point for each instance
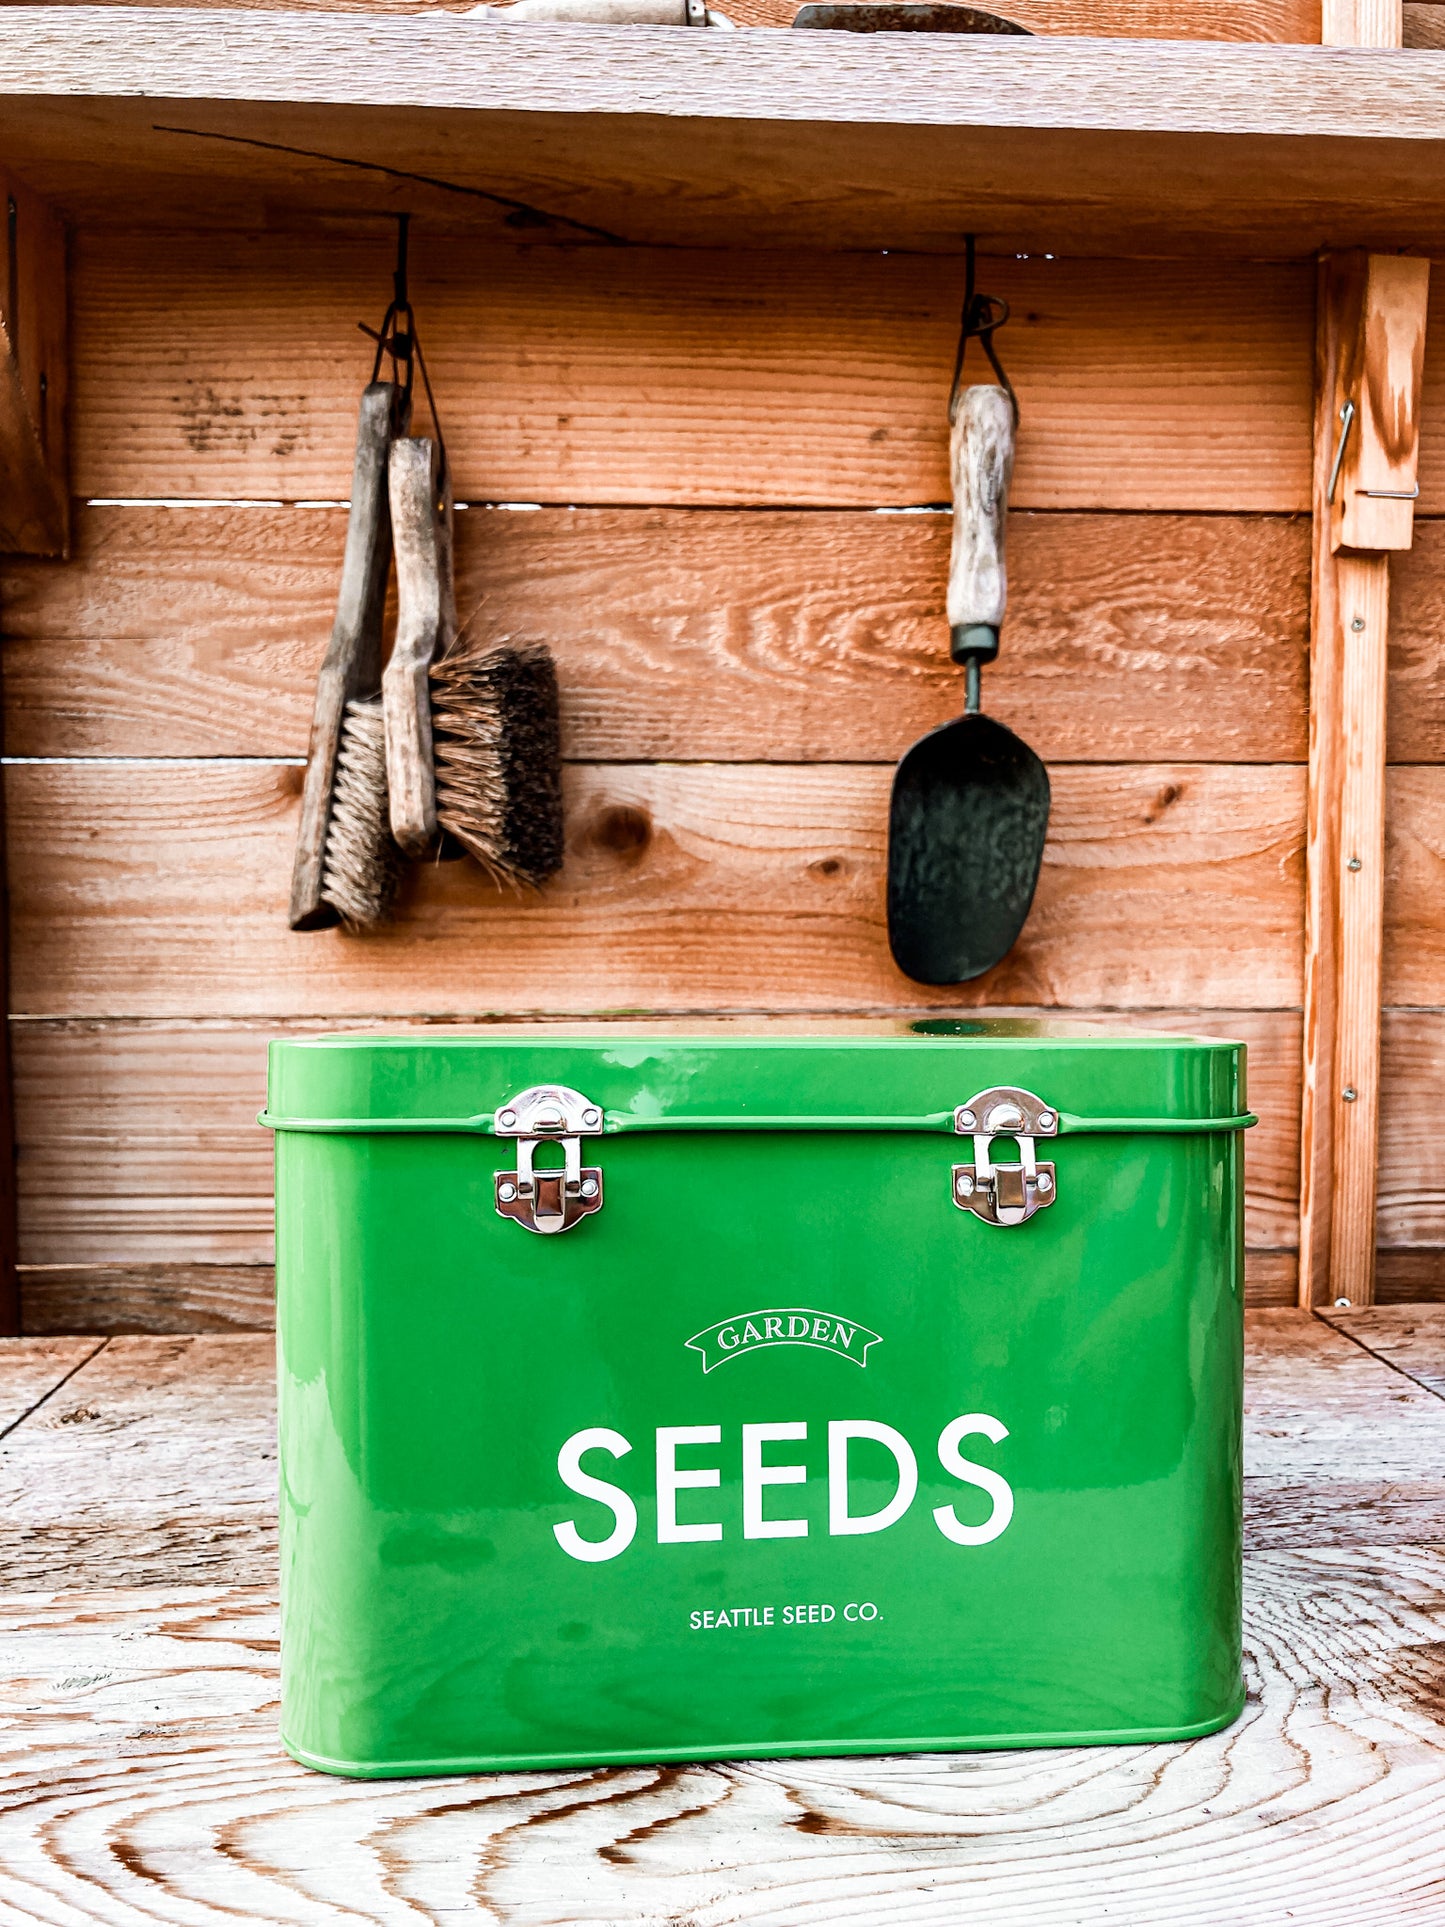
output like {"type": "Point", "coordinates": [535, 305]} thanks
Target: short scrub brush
{"type": "Point", "coordinates": [473, 740]}
{"type": "Point", "coordinates": [497, 743]}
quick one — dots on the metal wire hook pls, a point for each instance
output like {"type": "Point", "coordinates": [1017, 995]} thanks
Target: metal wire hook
{"type": "Point", "coordinates": [397, 337]}
{"type": "Point", "coordinates": [982, 315]}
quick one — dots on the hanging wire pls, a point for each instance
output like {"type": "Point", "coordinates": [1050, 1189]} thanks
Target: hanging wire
{"type": "Point", "coordinates": [983, 314]}
{"type": "Point", "coordinates": [397, 337]}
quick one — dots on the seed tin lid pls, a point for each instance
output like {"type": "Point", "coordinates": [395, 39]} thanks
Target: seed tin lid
{"type": "Point", "coordinates": [751, 1074]}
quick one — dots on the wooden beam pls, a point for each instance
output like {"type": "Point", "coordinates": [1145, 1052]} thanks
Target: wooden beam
{"type": "Point", "coordinates": [1370, 355]}
{"type": "Point", "coordinates": [1362, 23]}
{"type": "Point", "coordinates": [34, 492]}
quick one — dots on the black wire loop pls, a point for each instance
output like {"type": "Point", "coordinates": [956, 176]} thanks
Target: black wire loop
{"type": "Point", "coordinates": [397, 337]}
{"type": "Point", "coordinates": [983, 315]}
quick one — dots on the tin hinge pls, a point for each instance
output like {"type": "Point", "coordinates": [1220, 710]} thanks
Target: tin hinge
{"type": "Point", "coordinates": [1004, 1193]}
{"type": "Point", "coordinates": [550, 1197]}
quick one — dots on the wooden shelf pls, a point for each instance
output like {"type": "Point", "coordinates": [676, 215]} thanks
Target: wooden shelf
{"type": "Point", "coordinates": [757, 138]}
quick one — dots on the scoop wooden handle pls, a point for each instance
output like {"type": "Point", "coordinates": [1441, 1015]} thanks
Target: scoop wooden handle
{"type": "Point", "coordinates": [981, 454]}
{"type": "Point", "coordinates": [417, 525]}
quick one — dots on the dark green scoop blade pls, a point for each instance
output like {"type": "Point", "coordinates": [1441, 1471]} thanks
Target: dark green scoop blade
{"type": "Point", "coordinates": [965, 840]}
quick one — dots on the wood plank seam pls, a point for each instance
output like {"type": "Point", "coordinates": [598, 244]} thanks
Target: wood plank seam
{"type": "Point", "coordinates": [59, 1384]}
{"type": "Point", "coordinates": [1346, 1329]}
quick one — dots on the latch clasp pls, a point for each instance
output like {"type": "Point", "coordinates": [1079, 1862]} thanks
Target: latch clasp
{"type": "Point", "coordinates": [1004, 1193]}
{"type": "Point", "coordinates": [549, 1198]}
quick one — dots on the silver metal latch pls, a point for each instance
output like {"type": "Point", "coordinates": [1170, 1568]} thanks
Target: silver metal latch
{"type": "Point", "coordinates": [549, 1198]}
{"type": "Point", "coordinates": [1004, 1193]}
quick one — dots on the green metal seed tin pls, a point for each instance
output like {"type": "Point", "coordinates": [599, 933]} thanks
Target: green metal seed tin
{"type": "Point", "coordinates": [775, 1440]}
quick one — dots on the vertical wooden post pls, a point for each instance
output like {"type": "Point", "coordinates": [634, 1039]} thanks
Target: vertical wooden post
{"type": "Point", "coordinates": [1338, 1136]}
{"type": "Point", "coordinates": [34, 520]}
{"type": "Point", "coordinates": [1370, 346]}
{"type": "Point", "coordinates": [34, 487]}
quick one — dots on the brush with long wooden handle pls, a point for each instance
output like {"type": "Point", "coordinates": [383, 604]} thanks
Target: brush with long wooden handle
{"type": "Point", "coordinates": [344, 868]}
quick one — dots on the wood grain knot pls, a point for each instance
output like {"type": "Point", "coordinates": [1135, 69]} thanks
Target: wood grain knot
{"type": "Point", "coordinates": [811, 1821]}
{"type": "Point", "coordinates": [825, 866]}
{"type": "Point", "coordinates": [1170, 793]}
{"type": "Point", "coordinates": [622, 830]}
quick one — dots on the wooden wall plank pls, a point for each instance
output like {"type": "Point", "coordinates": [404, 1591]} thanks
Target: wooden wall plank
{"type": "Point", "coordinates": [1423, 24]}
{"type": "Point", "coordinates": [1415, 717]}
{"type": "Point", "coordinates": [1412, 1144]}
{"type": "Point", "coordinates": [140, 1143]}
{"type": "Point", "coordinates": [1432, 441]}
{"type": "Point", "coordinates": [101, 1299]}
{"type": "Point", "coordinates": [1414, 947]}
{"type": "Point", "coordinates": [606, 375]}
{"type": "Point", "coordinates": [1410, 1277]}
{"type": "Point", "coordinates": [1282, 21]}
{"type": "Point", "coordinates": [159, 889]}
{"type": "Point", "coordinates": [141, 1147]}
{"type": "Point", "coordinates": [699, 634]}
{"type": "Point", "coordinates": [153, 1298]}
{"type": "Point", "coordinates": [1271, 1281]}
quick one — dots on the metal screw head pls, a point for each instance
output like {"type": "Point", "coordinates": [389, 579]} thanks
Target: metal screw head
{"type": "Point", "coordinates": [507, 1117]}
{"type": "Point", "coordinates": [1045, 1183]}
{"type": "Point", "coordinates": [965, 1185]}
{"type": "Point", "coordinates": [1349, 1093]}
{"type": "Point", "coordinates": [1354, 864]}
{"type": "Point", "coordinates": [1046, 1120]}
{"type": "Point", "coordinates": [1342, 1304]}
{"type": "Point", "coordinates": [592, 1117]}
{"type": "Point", "coordinates": [1358, 624]}
{"type": "Point", "coordinates": [967, 1120]}
{"type": "Point", "coordinates": [589, 1187]}
{"type": "Point", "coordinates": [506, 1192]}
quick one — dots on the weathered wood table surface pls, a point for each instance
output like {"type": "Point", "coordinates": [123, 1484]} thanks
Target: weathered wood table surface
{"type": "Point", "coordinates": [143, 1781]}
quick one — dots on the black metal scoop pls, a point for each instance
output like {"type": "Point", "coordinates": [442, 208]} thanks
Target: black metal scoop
{"type": "Point", "coordinates": [970, 807]}
{"type": "Point", "coordinates": [903, 16]}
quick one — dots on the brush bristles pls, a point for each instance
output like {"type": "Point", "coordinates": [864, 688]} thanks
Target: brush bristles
{"type": "Point", "coordinates": [361, 870]}
{"type": "Point", "coordinates": [497, 744]}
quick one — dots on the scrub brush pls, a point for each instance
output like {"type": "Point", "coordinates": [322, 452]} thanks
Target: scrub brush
{"type": "Point", "coordinates": [497, 737]}
{"type": "Point", "coordinates": [361, 872]}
